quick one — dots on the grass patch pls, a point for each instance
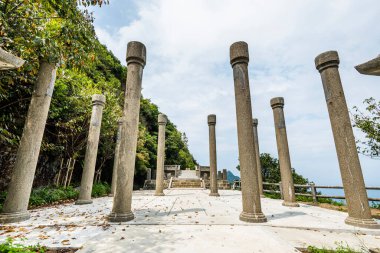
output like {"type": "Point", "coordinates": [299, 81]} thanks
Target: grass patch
{"type": "Point", "coordinates": [339, 249]}
{"type": "Point", "coordinates": [53, 195]}
{"type": "Point", "coordinates": [9, 246]}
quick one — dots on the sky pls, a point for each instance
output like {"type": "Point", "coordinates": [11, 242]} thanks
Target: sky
{"type": "Point", "coordinates": [188, 74]}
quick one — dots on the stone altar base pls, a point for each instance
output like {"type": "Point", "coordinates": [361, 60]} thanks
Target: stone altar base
{"type": "Point", "coordinates": [186, 183]}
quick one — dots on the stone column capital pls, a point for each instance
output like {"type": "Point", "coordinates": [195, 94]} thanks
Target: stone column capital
{"type": "Point", "coordinates": [329, 59]}
{"type": "Point", "coordinates": [136, 53]}
{"type": "Point", "coordinates": [255, 122]}
{"type": "Point", "coordinates": [98, 99]}
{"type": "Point", "coordinates": [277, 102]}
{"type": "Point", "coordinates": [211, 119]}
{"type": "Point", "coordinates": [239, 53]}
{"type": "Point", "coordinates": [162, 119]}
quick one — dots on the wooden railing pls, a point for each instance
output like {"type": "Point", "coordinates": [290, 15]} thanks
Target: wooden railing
{"type": "Point", "coordinates": [310, 193]}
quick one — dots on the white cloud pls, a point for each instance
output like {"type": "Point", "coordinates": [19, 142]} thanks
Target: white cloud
{"type": "Point", "coordinates": [188, 73]}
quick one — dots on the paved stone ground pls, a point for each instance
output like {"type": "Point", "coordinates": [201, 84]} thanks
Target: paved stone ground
{"type": "Point", "coordinates": [188, 221]}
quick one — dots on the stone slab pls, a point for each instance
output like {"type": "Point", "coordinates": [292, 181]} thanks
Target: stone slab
{"type": "Point", "coordinates": [189, 221]}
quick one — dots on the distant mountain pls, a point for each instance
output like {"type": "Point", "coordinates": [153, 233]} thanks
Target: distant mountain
{"type": "Point", "coordinates": [231, 177]}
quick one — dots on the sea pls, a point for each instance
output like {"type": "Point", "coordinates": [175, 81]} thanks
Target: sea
{"type": "Point", "coordinates": [339, 192]}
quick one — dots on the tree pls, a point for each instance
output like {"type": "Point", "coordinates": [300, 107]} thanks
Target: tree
{"type": "Point", "coordinates": [369, 124]}
{"type": "Point", "coordinates": [270, 170]}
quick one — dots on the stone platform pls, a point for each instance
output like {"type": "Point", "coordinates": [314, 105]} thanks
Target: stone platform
{"type": "Point", "coordinates": [188, 220]}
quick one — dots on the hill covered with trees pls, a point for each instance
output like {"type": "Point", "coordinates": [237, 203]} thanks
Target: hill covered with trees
{"type": "Point", "coordinates": [58, 31]}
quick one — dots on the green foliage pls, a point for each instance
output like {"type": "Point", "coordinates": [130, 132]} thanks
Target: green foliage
{"type": "Point", "coordinates": [340, 249]}
{"type": "Point", "coordinates": [369, 124]}
{"type": "Point", "coordinates": [59, 30]}
{"type": "Point", "coordinates": [10, 246]}
{"type": "Point", "coordinates": [48, 195]}
{"type": "Point", "coordinates": [270, 170]}
{"type": "Point", "coordinates": [100, 190]}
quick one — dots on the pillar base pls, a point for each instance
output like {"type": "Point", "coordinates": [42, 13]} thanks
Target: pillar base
{"type": "Point", "coordinates": [214, 194]}
{"type": "Point", "coordinates": [83, 202]}
{"type": "Point", "coordinates": [290, 204]}
{"type": "Point", "coordinates": [159, 194]}
{"type": "Point", "coordinates": [253, 217]}
{"type": "Point", "coordinates": [262, 196]}
{"type": "Point", "coordinates": [121, 217]}
{"type": "Point", "coordinates": [14, 217]}
{"type": "Point", "coordinates": [363, 223]}
{"type": "Point", "coordinates": [110, 195]}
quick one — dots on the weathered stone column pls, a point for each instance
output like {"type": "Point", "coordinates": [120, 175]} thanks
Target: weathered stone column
{"type": "Point", "coordinates": [16, 204]}
{"type": "Point", "coordinates": [148, 174]}
{"type": "Point", "coordinates": [162, 120]}
{"type": "Point", "coordinates": [257, 153]}
{"type": "Point", "coordinates": [98, 102]}
{"type": "Point", "coordinates": [283, 152]}
{"type": "Point", "coordinates": [116, 157]}
{"type": "Point", "coordinates": [211, 120]}
{"type": "Point", "coordinates": [224, 174]}
{"type": "Point", "coordinates": [239, 59]}
{"type": "Point", "coordinates": [121, 210]}
{"type": "Point", "coordinates": [359, 213]}
{"type": "Point", "coordinates": [219, 176]}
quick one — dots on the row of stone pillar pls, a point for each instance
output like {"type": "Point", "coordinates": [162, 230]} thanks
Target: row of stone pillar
{"type": "Point", "coordinates": [356, 195]}
{"type": "Point", "coordinates": [20, 186]}
{"type": "Point", "coordinates": [15, 206]}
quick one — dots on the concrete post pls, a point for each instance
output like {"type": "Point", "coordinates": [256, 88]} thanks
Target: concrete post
{"type": "Point", "coordinates": [283, 152]}
{"type": "Point", "coordinates": [116, 157]}
{"type": "Point", "coordinates": [239, 59]}
{"type": "Point", "coordinates": [313, 193]}
{"type": "Point", "coordinates": [19, 189]}
{"type": "Point", "coordinates": [148, 174]}
{"type": "Point", "coordinates": [211, 120]}
{"type": "Point", "coordinates": [224, 174]}
{"type": "Point", "coordinates": [121, 210]}
{"type": "Point", "coordinates": [98, 102]}
{"type": "Point", "coordinates": [257, 154]}
{"type": "Point", "coordinates": [359, 213]}
{"type": "Point", "coordinates": [162, 120]}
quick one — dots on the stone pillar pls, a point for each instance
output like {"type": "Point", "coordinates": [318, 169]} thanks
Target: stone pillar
{"type": "Point", "coordinates": [359, 213]}
{"type": "Point", "coordinates": [239, 59]}
{"type": "Point", "coordinates": [211, 120]}
{"type": "Point", "coordinates": [98, 102]}
{"type": "Point", "coordinates": [121, 210]}
{"type": "Point", "coordinates": [219, 177]}
{"type": "Point", "coordinates": [116, 157]}
{"type": "Point", "coordinates": [257, 154]}
{"type": "Point", "coordinates": [225, 174]}
{"type": "Point", "coordinates": [148, 174]}
{"type": "Point", "coordinates": [19, 189]}
{"type": "Point", "coordinates": [162, 120]}
{"type": "Point", "coordinates": [283, 152]}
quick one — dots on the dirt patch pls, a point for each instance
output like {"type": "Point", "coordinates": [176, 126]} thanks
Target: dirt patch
{"type": "Point", "coordinates": [61, 250]}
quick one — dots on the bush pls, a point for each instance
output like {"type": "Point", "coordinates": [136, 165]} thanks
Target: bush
{"type": "Point", "coordinates": [9, 246]}
{"type": "Point", "coordinates": [48, 195]}
{"type": "Point", "coordinates": [100, 190]}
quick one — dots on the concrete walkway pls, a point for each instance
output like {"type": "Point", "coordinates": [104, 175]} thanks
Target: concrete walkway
{"type": "Point", "coordinates": [189, 221]}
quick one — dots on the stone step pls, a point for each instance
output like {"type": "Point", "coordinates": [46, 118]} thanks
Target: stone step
{"type": "Point", "coordinates": [186, 183]}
